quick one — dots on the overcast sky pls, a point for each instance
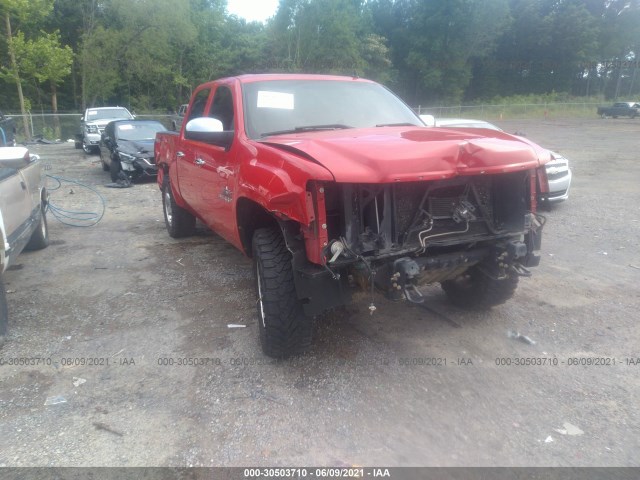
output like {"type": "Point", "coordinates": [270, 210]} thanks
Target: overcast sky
{"type": "Point", "coordinates": [252, 10]}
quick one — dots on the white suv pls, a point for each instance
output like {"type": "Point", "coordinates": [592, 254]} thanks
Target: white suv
{"type": "Point", "coordinates": [93, 122]}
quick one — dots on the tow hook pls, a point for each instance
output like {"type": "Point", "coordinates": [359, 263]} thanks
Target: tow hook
{"type": "Point", "coordinates": [406, 269]}
{"type": "Point", "coordinates": [419, 298]}
{"type": "Point", "coordinates": [520, 270]}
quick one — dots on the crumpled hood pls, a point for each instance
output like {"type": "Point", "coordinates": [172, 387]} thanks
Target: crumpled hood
{"type": "Point", "coordinates": [389, 154]}
{"type": "Point", "coordinates": [139, 148]}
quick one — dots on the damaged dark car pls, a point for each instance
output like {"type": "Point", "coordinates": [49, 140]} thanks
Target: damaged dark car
{"type": "Point", "coordinates": [126, 149]}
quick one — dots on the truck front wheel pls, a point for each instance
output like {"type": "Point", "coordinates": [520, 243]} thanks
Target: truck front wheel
{"type": "Point", "coordinates": [474, 289]}
{"type": "Point", "coordinates": [179, 222]}
{"type": "Point", "coordinates": [284, 329]}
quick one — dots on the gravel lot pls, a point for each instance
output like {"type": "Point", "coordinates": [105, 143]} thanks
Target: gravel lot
{"type": "Point", "coordinates": [127, 295]}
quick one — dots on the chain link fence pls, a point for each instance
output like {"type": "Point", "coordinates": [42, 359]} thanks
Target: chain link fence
{"type": "Point", "coordinates": [45, 126]}
{"type": "Point", "coordinates": [67, 126]}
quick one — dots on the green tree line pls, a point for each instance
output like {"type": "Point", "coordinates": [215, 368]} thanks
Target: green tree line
{"type": "Point", "coordinates": [148, 55]}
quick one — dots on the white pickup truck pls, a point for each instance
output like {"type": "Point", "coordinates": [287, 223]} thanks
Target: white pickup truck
{"type": "Point", "coordinates": [23, 205]}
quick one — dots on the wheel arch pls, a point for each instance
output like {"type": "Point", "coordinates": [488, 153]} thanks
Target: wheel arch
{"type": "Point", "coordinates": [167, 175]}
{"type": "Point", "coordinates": [251, 216]}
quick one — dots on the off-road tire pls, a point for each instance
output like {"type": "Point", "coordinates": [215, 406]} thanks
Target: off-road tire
{"type": "Point", "coordinates": [4, 312]}
{"type": "Point", "coordinates": [40, 236]}
{"type": "Point", "coordinates": [475, 290]}
{"type": "Point", "coordinates": [115, 169]}
{"type": "Point", "coordinates": [284, 328]}
{"type": "Point", "coordinates": [179, 222]}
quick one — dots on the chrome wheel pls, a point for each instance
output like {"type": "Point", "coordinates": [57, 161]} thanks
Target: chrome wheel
{"type": "Point", "coordinates": [168, 212]}
{"type": "Point", "coordinates": [260, 304]}
{"type": "Point", "coordinates": [179, 222]}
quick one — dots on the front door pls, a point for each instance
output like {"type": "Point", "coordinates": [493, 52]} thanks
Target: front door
{"type": "Point", "coordinates": [188, 162]}
{"type": "Point", "coordinates": [218, 170]}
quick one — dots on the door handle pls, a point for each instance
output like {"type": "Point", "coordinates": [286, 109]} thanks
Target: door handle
{"type": "Point", "coordinates": [199, 162]}
{"type": "Point", "coordinates": [179, 154]}
{"type": "Point", "coordinates": [23, 185]}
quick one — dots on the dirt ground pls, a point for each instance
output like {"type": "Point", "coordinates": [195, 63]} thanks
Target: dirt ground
{"type": "Point", "coordinates": [112, 310]}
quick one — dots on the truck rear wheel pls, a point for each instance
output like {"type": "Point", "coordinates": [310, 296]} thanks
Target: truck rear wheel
{"type": "Point", "coordinates": [284, 329]}
{"type": "Point", "coordinates": [40, 236]}
{"type": "Point", "coordinates": [474, 289]}
{"type": "Point", "coordinates": [179, 222]}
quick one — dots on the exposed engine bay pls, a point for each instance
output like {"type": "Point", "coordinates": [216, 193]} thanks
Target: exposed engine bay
{"type": "Point", "coordinates": [404, 235]}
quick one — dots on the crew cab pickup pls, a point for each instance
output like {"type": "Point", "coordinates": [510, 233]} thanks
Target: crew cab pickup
{"type": "Point", "coordinates": [620, 109]}
{"type": "Point", "coordinates": [330, 182]}
{"type": "Point", "coordinates": [23, 222]}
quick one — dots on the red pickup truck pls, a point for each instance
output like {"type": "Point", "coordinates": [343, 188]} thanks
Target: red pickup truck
{"type": "Point", "coordinates": [330, 182]}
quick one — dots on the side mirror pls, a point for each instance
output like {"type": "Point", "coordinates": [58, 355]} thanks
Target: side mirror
{"type": "Point", "coordinates": [208, 130]}
{"type": "Point", "coordinates": [429, 120]}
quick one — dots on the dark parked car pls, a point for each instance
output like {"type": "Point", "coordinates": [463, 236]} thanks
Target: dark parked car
{"type": "Point", "coordinates": [127, 146]}
{"type": "Point", "coordinates": [620, 109]}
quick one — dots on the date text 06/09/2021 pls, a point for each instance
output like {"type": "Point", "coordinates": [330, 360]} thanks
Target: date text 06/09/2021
{"type": "Point", "coordinates": [318, 472]}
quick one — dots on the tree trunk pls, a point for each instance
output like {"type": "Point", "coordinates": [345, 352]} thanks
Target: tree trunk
{"type": "Point", "coordinates": [16, 75]}
{"type": "Point", "coordinates": [54, 109]}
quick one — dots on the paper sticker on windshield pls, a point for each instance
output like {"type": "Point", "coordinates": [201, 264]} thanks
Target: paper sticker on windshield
{"type": "Point", "coordinates": [125, 127]}
{"type": "Point", "coordinates": [283, 101]}
{"type": "Point", "coordinates": [90, 113]}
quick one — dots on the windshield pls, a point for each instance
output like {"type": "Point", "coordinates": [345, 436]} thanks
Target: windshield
{"type": "Point", "coordinates": [138, 131]}
{"type": "Point", "coordinates": [281, 106]}
{"type": "Point", "coordinates": [104, 113]}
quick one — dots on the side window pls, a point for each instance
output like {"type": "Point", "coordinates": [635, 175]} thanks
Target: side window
{"type": "Point", "coordinates": [222, 107]}
{"type": "Point", "coordinates": [199, 102]}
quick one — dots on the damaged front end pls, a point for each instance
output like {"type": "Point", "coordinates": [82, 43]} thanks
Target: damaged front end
{"type": "Point", "coordinates": [469, 233]}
